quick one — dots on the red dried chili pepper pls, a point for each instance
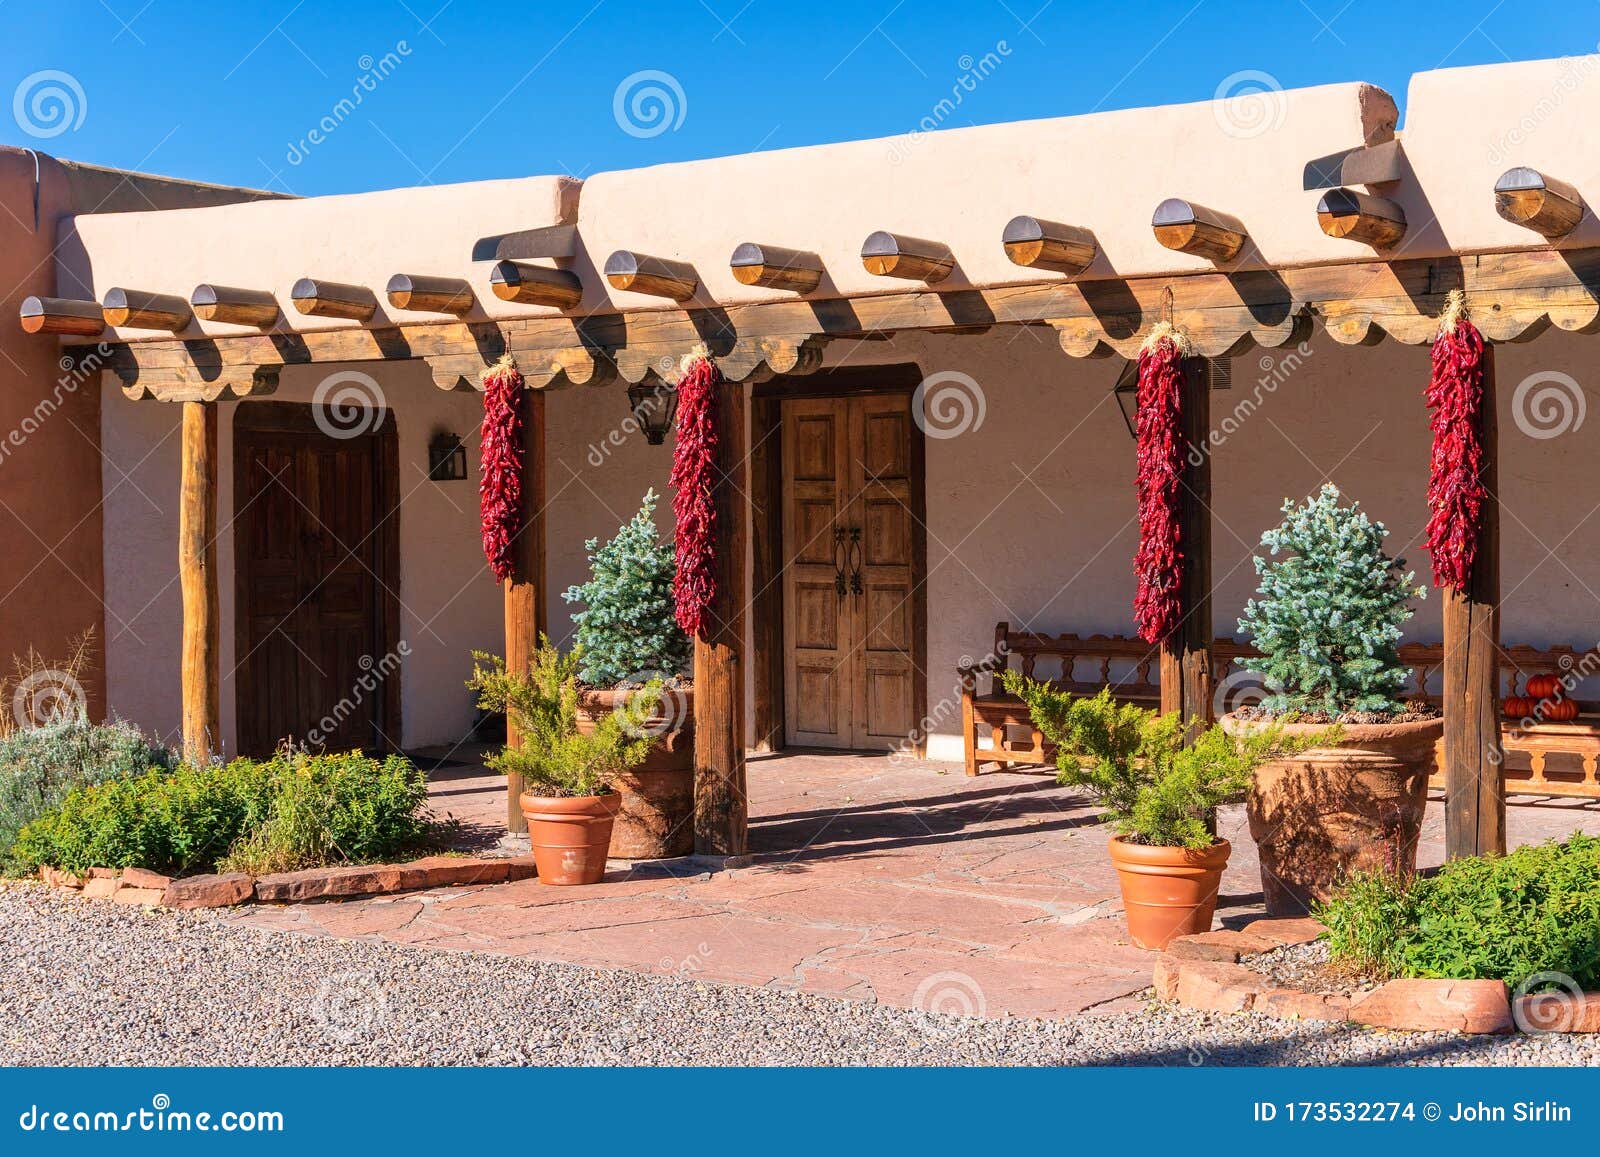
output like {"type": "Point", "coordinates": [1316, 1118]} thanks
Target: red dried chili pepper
{"type": "Point", "coordinates": [500, 488]}
{"type": "Point", "coordinates": [694, 471]}
{"type": "Point", "coordinates": [1159, 564]}
{"type": "Point", "coordinates": [1455, 480]}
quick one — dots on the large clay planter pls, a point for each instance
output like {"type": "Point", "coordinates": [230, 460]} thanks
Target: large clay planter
{"type": "Point", "coordinates": [570, 835]}
{"type": "Point", "coordinates": [1333, 810]}
{"type": "Point", "coordinates": [657, 816]}
{"type": "Point", "coordinates": [1168, 892]}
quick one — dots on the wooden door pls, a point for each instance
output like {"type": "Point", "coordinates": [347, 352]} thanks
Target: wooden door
{"type": "Point", "coordinates": [314, 563]}
{"type": "Point", "coordinates": [851, 574]}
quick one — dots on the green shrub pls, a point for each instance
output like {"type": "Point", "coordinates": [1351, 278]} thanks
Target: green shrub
{"type": "Point", "coordinates": [629, 633]}
{"type": "Point", "coordinates": [554, 757]}
{"type": "Point", "coordinates": [294, 810]}
{"type": "Point", "coordinates": [1329, 613]}
{"type": "Point", "coordinates": [39, 767]}
{"type": "Point", "coordinates": [1487, 918]}
{"type": "Point", "coordinates": [1134, 761]}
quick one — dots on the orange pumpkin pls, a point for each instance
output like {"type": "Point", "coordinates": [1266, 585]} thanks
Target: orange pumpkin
{"type": "Point", "coordinates": [1517, 707]}
{"type": "Point", "coordinates": [1544, 687]}
{"type": "Point", "coordinates": [1561, 711]}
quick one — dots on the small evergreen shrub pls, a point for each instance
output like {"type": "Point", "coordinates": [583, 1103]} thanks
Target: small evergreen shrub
{"type": "Point", "coordinates": [1134, 762]}
{"type": "Point", "coordinates": [294, 810]}
{"type": "Point", "coordinates": [39, 767]}
{"type": "Point", "coordinates": [1504, 918]}
{"type": "Point", "coordinates": [628, 633]}
{"type": "Point", "coordinates": [554, 757]}
{"type": "Point", "coordinates": [1329, 613]}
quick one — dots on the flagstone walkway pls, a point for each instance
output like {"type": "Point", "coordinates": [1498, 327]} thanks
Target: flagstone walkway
{"type": "Point", "coordinates": [878, 879]}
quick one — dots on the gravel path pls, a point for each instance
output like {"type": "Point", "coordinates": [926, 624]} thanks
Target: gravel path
{"type": "Point", "coordinates": [88, 982]}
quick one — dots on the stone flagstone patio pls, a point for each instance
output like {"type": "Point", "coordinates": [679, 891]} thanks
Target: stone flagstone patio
{"type": "Point", "coordinates": [872, 878]}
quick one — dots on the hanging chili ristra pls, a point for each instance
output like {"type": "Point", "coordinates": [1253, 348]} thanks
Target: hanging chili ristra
{"type": "Point", "coordinates": [694, 470]}
{"type": "Point", "coordinates": [1456, 492]}
{"type": "Point", "coordinates": [500, 488]}
{"type": "Point", "coordinates": [1159, 564]}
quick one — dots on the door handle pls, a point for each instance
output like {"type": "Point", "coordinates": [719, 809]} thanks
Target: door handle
{"type": "Point", "coordinates": [856, 587]}
{"type": "Point", "coordinates": [841, 559]}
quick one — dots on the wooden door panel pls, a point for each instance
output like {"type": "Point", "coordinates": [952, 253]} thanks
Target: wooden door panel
{"type": "Point", "coordinates": [887, 701]}
{"type": "Point", "coordinates": [310, 562]}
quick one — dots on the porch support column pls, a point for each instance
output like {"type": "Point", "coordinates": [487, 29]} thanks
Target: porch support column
{"type": "Point", "coordinates": [721, 814]}
{"type": "Point", "coordinates": [197, 578]}
{"type": "Point", "coordinates": [525, 593]}
{"type": "Point", "coordinates": [1475, 798]}
{"type": "Point", "coordinates": [1186, 657]}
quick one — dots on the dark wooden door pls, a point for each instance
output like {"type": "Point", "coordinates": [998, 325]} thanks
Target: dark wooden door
{"type": "Point", "coordinates": [852, 579]}
{"type": "Point", "coordinates": [314, 561]}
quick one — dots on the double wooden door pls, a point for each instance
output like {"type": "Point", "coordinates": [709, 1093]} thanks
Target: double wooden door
{"type": "Point", "coordinates": [314, 566]}
{"type": "Point", "coordinates": [851, 534]}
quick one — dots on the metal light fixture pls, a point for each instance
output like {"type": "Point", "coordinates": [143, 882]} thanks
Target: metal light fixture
{"type": "Point", "coordinates": [447, 458]}
{"type": "Point", "coordinates": [1126, 390]}
{"type": "Point", "coordinates": [654, 402]}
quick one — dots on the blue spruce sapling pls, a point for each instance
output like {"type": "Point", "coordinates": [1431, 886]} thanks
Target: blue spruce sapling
{"type": "Point", "coordinates": [627, 632]}
{"type": "Point", "coordinates": [1329, 613]}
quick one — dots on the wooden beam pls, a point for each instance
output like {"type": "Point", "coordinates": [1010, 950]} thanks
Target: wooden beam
{"type": "Point", "coordinates": [657, 276]}
{"type": "Point", "coordinates": [62, 315]}
{"type": "Point", "coordinates": [332, 299]}
{"type": "Point", "coordinates": [721, 809]}
{"type": "Point", "coordinates": [1518, 293]}
{"type": "Point", "coordinates": [1191, 228]}
{"type": "Point", "coordinates": [1375, 221]}
{"type": "Point", "coordinates": [1034, 243]}
{"type": "Point", "coordinates": [914, 258]}
{"type": "Point", "coordinates": [766, 571]}
{"type": "Point", "coordinates": [224, 303]}
{"type": "Point", "coordinates": [525, 591]}
{"type": "Point", "coordinates": [1527, 197]}
{"type": "Point", "coordinates": [1186, 658]}
{"type": "Point", "coordinates": [775, 268]}
{"type": "Point", "coordinates": [535, 285]}
{"type": "Point", "coordinates": [138, 309]}
{"type": "Point", "coordinates": [197, 576]}
{"type": "Point", "coordinates": [425, 294]}
{"type": "Point", "coordinates": [1474, 758]}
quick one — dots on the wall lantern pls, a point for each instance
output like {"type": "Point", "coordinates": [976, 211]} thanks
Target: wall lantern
{"type": "Point", "coordinates": [653, 407]}
{"type": "Point", "coordinates": [1126, 391]}
{"type": "Point", "coordinates": [447, 458]}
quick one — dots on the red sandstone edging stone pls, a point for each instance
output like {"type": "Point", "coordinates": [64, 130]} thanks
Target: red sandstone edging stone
{"type": "Point", "coordinates": [1558, 1012]}
{"type": "Point", "coordinates": [140, 886]}
{"type": "Point", "coordinates": [1203, 972]}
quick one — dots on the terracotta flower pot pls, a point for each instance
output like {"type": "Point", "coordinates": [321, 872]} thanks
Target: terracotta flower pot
{"type": "Point", "coordinates": [1333, 810]}
{"type": "Point", "coordinates": [1168, 892]}
{"type": "Point", "coordinates": [657, 816]}
{"type": "Point", "coordinates": [570, 835]}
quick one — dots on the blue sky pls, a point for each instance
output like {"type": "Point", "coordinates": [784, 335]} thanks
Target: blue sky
{"type": "Point", "coordinates": [237, 92]}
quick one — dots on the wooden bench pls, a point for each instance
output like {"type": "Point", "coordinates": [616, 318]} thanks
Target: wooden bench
{"type": "Point", "coordinates": [1541, 758]}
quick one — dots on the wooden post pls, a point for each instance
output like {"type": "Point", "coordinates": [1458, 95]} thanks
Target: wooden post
{"type": "Point", "coordinates": [766, 572]}
{"type": "Point", "coordinates": [525, 593]}
{"type": "Point", "coordinates": [721, 814]}
{"type": "Point", "coordinates": [1186, 657]}
{"type": "Point", "coordinates": [1475, 798]}
{"type": "Point", "coordinates": [197, 577]}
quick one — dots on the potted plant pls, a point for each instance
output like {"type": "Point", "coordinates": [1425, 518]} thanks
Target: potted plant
{"type": "Point", "coordinates": [1160, 798]}
{"type": "Point", "coordinates": [629, 640]}
{"type": "Point", "coordinates": [569, 773]}
{"type": "Point", "coordinates": [1327, 624]}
